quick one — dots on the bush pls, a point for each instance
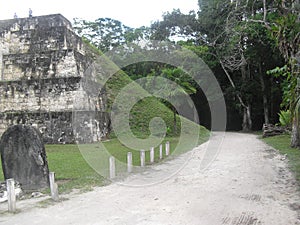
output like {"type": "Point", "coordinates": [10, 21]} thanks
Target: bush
{"type": "Point", "coordinates": [285, 118]}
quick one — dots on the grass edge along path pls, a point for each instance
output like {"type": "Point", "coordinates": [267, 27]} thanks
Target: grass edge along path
{"type": "Point", "coordinates": [282, 144]}
{"type": "Point", "coordinates": [73, 172]}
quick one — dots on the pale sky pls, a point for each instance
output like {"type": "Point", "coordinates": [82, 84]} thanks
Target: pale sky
{"type": "Point", "coordinates": [133, 13]}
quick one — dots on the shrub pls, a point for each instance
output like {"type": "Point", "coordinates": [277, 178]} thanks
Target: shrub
{"type": "Point", "coordinates": [285, 118]}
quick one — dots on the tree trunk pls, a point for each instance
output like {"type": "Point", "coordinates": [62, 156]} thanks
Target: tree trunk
{"type": "Point", "coordinates": [247, 121]}
{"type": "Point", "coordinates": [295, 137]}
{"type": "Point", "coordinates": [175, 121]}
{"type": "Point", "coordinates": [265, 10]}
{"type": "Point", "coordinates": [265, 98]}
{"type": "Point", "coordinates": [266, 108]}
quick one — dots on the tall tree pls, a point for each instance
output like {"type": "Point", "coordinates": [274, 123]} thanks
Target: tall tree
{"type": "Point", "coordinates": [281, 18]}
{"type": "Point", "coordinates": [262, 56]}
{"type": "Point", "coordinates": [222, 29]}
{"type": "Point", "coordinates": [288, 36]}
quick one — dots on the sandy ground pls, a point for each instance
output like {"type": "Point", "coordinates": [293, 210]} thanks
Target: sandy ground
{"type": "Point", "coordinates": [247, 183]}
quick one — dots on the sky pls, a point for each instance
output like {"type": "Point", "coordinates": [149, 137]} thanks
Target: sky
{"type": "Point", "coordinates": [133, 13]}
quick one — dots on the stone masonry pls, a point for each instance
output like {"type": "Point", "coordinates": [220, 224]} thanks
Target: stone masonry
{"type": "Point", "coordinates": [43, 64]}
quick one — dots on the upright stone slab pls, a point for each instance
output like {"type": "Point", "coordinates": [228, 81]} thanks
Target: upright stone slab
{"type": "Point", "coordinates": [24, 158]}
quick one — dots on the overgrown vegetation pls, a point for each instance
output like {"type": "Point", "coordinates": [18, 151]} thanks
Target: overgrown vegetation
{"type": "Point", "coordinates": [285, 118]}
{"type": "Point", "coordinates": [70, 165]}
{"type": "Point", "coordinates": [142, 113]}
{"type": "Point", "coordinates": [241, 40]}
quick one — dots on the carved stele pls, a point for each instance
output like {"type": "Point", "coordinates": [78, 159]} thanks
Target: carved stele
{"type": "Point", "coordinates": [24, 158]}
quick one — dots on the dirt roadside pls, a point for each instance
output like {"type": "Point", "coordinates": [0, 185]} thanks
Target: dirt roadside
{"type": "Point", "coordinates": [247, 183]}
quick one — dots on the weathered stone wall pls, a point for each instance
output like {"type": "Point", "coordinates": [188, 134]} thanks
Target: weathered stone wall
{"type": "Point", "coordinates": [43, 64]}
{"type": "Point", "coordinates": [53, 94]}
{"type": "Point", "coordinates": [40, 47]}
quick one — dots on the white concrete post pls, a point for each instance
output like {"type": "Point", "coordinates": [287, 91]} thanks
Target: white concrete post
{"type": "Point", "coordinates": [53, 186]}
{"type": "Point", "coordinates": [152, 155]}
{"type": "Point", "coordinates": [112, 167]}
{"type": "Point", "coordinates": [129, 162]}
{"type": "Point", "coordinates": [11, 195]}
{"type": "Point", "coordinates": [167, 148]}
{"type": "Point", "coordinates": [160, 151]}
{"type": "Point", "coordinates": [142, 157]}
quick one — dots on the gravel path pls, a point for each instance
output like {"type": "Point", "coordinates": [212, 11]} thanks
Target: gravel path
{"type": "Point", "coordinates": [247, 183]}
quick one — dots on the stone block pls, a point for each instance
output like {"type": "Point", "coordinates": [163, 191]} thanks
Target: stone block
{"type": "Point", "coordinates": [24, 158]}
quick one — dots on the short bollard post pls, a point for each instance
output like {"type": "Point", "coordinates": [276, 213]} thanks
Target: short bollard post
{"type": "Point", "coordinates": [112, 167]}
{"type": "Point", "coordinates": [152, 155]}
{"type": "Point", "coordinates": [167, 148]}
{"type": "Point", "coordinates": [53, 186]}
{"type": "Point", "coordinates": [142, 157]}
{"type": "Point", "coordinates": [160, 151]}
{"type": "Point", "coordinates": [11, 195]}
{"type": "Point", "coordinates": [129, 162]}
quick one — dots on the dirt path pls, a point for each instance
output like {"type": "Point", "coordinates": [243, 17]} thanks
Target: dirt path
{"type": "Point", "coordinates": [248, 183]}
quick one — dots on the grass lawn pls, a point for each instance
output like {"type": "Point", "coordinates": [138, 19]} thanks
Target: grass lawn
{"type": "Point", "coordinates": [69, 162]}
{"type": "Point", "coordinates": [73, 172]}
{"type": "Point", "coordinates": [282, 143]}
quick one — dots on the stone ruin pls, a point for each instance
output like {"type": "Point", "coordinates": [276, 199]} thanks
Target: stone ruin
{"type": "Point", "coordinates": [24, 158]}
{"type": "Point", "coordinates": [43, 66]}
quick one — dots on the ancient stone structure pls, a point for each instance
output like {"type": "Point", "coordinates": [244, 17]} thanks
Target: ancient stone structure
{"type": "Point", "coordinates": [23, 157]}
{"type": "Point", "coordinates": [43, 64]}
{"type": "Point", "coordinates": [270, 130]}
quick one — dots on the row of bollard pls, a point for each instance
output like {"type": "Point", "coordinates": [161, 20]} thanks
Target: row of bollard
{"type": "Point", "coordinates": [11, 195]}
{"type": "Point", "coordinates": [10, 183]}
{"type": "Point", "coordinates": [112, 163]}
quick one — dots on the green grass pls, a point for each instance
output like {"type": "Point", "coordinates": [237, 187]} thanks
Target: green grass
{"type": "Point", "coordinates": [1, 173]}
{"type": "Point", "coordinates": [115, 148]}
{"type": "Point", "coordinates": [70, 165]}
{"type": "Point", "coordinates": [73, 172]}
{"type": "Point", "coordinates": [282, 144]}
{"type": "Point", "coordinates": [98, 154]}
{"type": "Point", "coordinates": [145, 108]}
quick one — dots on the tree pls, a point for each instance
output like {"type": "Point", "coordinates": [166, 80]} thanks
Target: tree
{"type": "Point", "coordinates": [288, 36]}
{"type": "Point", "coordinates": [175, 25]}
{"type": "Point", "coordinates": [223, 30]}
{"type": "Point", "coordinates": [239, 39]}
{"type": "Point", "coordinates": [232, 40]}
{"type": "Point", "coordinates": [281, 18]}
{"type": "Point", "coordinates": [185, 85]}
{"type": "Point", "coordinates": [220, 28]}
{"type": "Point", "coordinates": [263, 56]}
{"type": "Point", "coordinates": [106, 33]}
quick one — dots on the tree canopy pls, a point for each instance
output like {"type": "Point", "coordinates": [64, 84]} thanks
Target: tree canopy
{"type": "Point", "coordinates": [252, 46]}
